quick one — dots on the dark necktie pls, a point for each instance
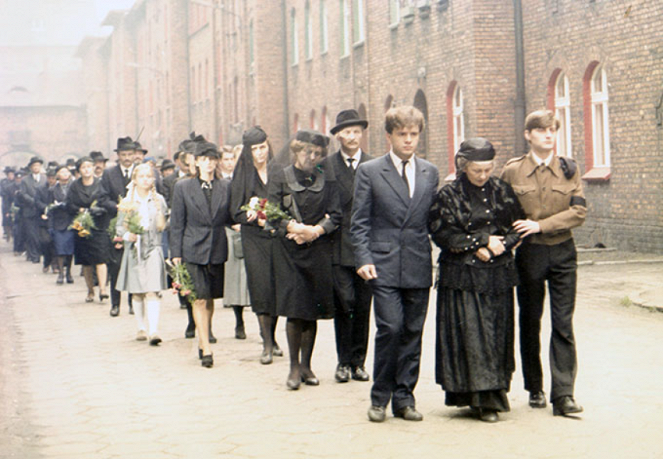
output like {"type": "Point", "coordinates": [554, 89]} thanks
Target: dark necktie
{"type": "Point", "coordinates": [352, 169]}
{"type": "Point", "coordinates": [126, 176]}
{"type": "Point", "coordinates": [404, 175]}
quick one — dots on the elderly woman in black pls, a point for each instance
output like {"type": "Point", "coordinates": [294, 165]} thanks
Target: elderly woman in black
{"type": "Point", "coordinates": [90, 251]}
{"type": "Point", "coordinates": [470, 221]}
{"type": "Point", "coordinates": [59, 219]}
{"type": "Point", "coordinates": [303, 249]}
{"type": "Point", "coordinates": [250, 180]}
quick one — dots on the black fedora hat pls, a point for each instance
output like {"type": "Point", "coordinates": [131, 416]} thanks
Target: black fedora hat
{"type": "Point", "coordinates": [347, 118]}
{"type": "Point", "coordinates": [97, 156]}
{"type": "Point", "coordinates": [167, 164]}
{"type": "Point", "coordinates": [125, 144]}
{"type": "Point", "coordinates": [35, 159]}
{"type": "Point", "coordinates": [9, 169]}
{"type": "Point", "coordinates": [139, 147]}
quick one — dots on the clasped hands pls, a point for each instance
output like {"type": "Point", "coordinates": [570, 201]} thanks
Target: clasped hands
{"type": "Point", "coordinates": [303, 234]}
{"type": "Point", "coordinates": [252, 215]}
{"type": "Point", "coordinates": [495, 248]}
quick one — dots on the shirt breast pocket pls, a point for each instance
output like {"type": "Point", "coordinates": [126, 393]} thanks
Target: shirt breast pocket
{"type": "Point", "coordinates": [561, 195]}
{"type": "Point", "coordinates": [526, 195]}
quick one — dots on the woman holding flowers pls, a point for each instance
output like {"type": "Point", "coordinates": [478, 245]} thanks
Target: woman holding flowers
{"type": "Point", "coordinates": [141, 220]}
{"type": "Point", "coordinates": [303, 248]}
{"type": "Point", "coordinates": [249, 185]}
{"type": "Point", "coordinates": [200, 212]}
{"type": "Point", "coordinates": [92, 243]}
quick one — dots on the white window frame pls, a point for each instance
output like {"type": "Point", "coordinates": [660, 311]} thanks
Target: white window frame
{"type": "Point", "coordinates": [359, 32]}
{"type": "Point", "coordinates": [308, 32]}
{"type": "Point", "coordinates": [294, 39]}
{"type": "Point", "coordinates": [394, 13]}
{"type": "Point", "coordinates": [324, 28]}
{"type": "Point", "coordinates": [458, 114]}
{"type": "Point", "coordinates": [345, 28]}
{"type": "Point", "coordinates": [600, 102]}
{"type": "Point", "coordinates": [563, 105]}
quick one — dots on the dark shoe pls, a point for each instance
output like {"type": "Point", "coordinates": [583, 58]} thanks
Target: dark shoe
{"type": "Point", "coordinates": [115, 311]}
{"type": "Point", "coordinates": [200, 354]}
{"type": "Point", "coordinates": [278, 352]}
{"type": "Point", "coordinates": [89, 298]}
{"type": "Point", "coordinates": [60, 280]}
{"type": "Point", "coordinates": [537, 399]}
{"type": "Point", "coordinates": [207, 361]}
{"type": "Point", "coordinates": [70, 280]}
{"type": "Point", "coordinates": [266, 357]}
{"type": "Point", "coordinates": [342, 373]}
{"type": "Point", "coordinates": [310, 380]}
{"type": "Point", "coordinates": [359, 374]}
{"type": "Point", "coordinates": [293, 384]}
{"type": "Point", "coordinates": [45, 269]}
{"type": "Point", "coordinates": [240, 333]}
{"type": "Point", "coordinates": [409, 414]}
{"type": "Point", "coordinates": [154, 340]}
{"type": "Point", "coordinates": [182, 305]}
{"type": "Point", "coordinates": [377, 413]}
{"type": "Point", "coordinates": [488, 415]}
{"type": "Point", "coordinates": [131, 310]}
{"type": "Point", "coordinates": [212, 338]}
{"type": "Point", "coordinates": [102, 297]}
{"type": "Point", "coordinates": [190, 331]}
{"type": "Point", "coordinates": [565, 405]}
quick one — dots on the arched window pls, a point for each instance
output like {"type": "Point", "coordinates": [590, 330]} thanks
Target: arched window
{"type": "Point", "coordinates": [422, 105]}
{"type": "Point", "coordinates": [325, 121]}
{"type": "Point", "coordinates": [561, 104]}
{"type": "Point", "coordinates": [455, 124]}
{"type": "Point", "coordinates": [389, 103]}
{"type": "Point", "coordinates": [308, 32]}
{"type": "Point", "coordinates": [295, 123]}
{"type": "Point", "coordinates": [313, 122]}
{"type": "Point", "coordinates": [345, 27]}
{"type": "Point", "coordinates": [597, 133]}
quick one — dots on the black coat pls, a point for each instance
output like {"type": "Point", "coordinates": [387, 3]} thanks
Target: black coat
{"type": "Point", "coordinates": [198, 235]}
{"type": "Point", "coordinates": [343, 252]}
{"type": "Point", "coordinates": [26, 197]}
{"type": "Point", "coordinates": [114, 187]}
{"type": "Point", "coordinates": [59, 217]}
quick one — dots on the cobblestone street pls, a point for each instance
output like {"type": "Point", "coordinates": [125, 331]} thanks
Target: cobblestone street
{"type": "Point", "coordinates": [75, 384]}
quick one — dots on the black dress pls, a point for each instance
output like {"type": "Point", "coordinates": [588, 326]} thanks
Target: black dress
{"type": "Point", "coordinates": [256, 242]}
{"type": "Point", "coordinates": [475, 314]}
{"type": "Point", "coordinates": [94, 249]}
{"type": "Point", "coordinates": [303, 273]}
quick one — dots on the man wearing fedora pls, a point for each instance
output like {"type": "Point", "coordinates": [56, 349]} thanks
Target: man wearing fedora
{"type": "Point", "coordinates": [7, 191]}
{"type": "Point", "coordinates": [27, 201]}
{"type": "Point", "coordinates": [352, 295]}
{"type": "Point", "coordinates": [114, 183]}
{"type": "Point", "coordinates": [99, 163]}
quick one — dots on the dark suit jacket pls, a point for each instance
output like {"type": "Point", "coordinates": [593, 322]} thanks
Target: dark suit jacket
{"type": "Point", "coordinates": [343, 252]}
{"type": "Point", "coordinates": [60, 217]}
{"type": "Point", "coordinates": [196, 235]}
{"type": "Point", "coordinates": [27, 195]}
{"type": "Point", "coordinates": [390, 230]}
{"type": "Point", "coordinates": [113, 187]}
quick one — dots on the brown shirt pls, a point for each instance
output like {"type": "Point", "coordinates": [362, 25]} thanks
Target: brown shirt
{"type": "Point", "coordinates": [547, 196]}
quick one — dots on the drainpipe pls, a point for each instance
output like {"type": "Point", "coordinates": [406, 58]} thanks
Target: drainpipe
{"type": "Point", "coordinates": [520, 102]}
{"type": "Point", "coordinates": [284, 46]}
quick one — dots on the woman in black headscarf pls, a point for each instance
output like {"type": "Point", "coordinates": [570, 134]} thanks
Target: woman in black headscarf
{"type": "Point", "coordinates": [303, 248]}
{"type": "Point", "coordinates": [470, 220]}
{"type": "Point", "coordinates": [91, 251]}
{"type": "Point", "coordinates": [250, 180]}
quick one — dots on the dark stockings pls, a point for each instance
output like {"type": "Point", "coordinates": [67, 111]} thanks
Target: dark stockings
{"type": "Point", "coordinates": [239, 318]}
{"type": "Point", "coordinates": [301, 340]}
{"type": "Point", "coordinates": [267, 326]}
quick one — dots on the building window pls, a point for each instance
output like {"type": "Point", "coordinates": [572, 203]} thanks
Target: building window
{"type": "Point", "coordinates": [597, 133]}
{"type": "Point", "coordinates": [394, 12]}
{"type": "Point", "coordinates": [308, 32]}
{"type": "Point", "coordinates": [563, 113]}
{"type": "Point", "coordinates": [325, 121]}
{"type": "Point", "coordinates": [251, 53]}
{"type": "Point", "coordinates": [313, 121]}
{"type": "Point", "coordinates": [358, 32]}
{"type": "Point", "coordinates": [294, 43]}
{"type": "Point", "coordinates": [324, 28]}
{"type": "Point", "coordinates": [345, 28]}
{"type": "Point", "coordinates": [455, 124]}
{"type": "Point", "coordinates": [295, 123]}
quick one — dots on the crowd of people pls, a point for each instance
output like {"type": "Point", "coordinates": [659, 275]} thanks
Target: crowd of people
{"type": "Point", "coordinates": [307, 235]}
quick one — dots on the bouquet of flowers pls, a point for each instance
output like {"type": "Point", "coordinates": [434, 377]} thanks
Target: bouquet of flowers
{"type": "Point", "coordinates": [84, 223]}
{"type": "Point", "coordinates": [182, 282]}
{"type": "Point", "coordinates": [132, 221]}
{"type": "Point", "coordinates": [266, 210]}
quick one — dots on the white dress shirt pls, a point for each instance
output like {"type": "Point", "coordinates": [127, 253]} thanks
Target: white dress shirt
{"type": "Point", "coordinates": [356, 158]}
{"type": "Point", "coordinates": [409, 169]}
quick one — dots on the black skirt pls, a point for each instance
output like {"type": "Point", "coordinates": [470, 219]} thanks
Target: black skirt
{"type": "Point", "coordinates": [207, 280]}
{"type": "Point", "coordinates": [303, 279]}
{"type": "Point", "coordinates": [92, 250]}
{"type": "Point", "coordinates": [475, 347]}
{"type": "Point", "coordinates": [257, 250]}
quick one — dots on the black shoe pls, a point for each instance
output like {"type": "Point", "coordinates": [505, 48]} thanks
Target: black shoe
{"type": "Point", "coordinates": [565, 405]}
{"type": "Point", "coordinates": [376, 413]}
{"type": "Point", "coordinates": [70, 280]}
{"type": "Point", "coordinates": [207, 361]}
{"type": "Point", "coordinates": [342, 373]}
{"type": "Point", "coordinates": [293, 384]}
{"type": "Point", "coordinates": [359, 374]}
{"type": "Point", "coordinates": [212, 338]}
{"type": "Point", "coordinates": [537, 399]}
{"type": "Point", "coordinates": [409, 414]}
{"type": "Point", "coordinates": [115, 311]}
{"type": "Point", "coordinates": [240, 333]}
{"type": "Point", "coordinates": [190, 331]}
{"type": "Point", "coordinates": [488, 415]}
{"type": "Point", "coordinates": [102, 297]}
{"type": "Point", "coordinates": [154, 340]}
{"type": "Point", "coordinates": [266, 357]}
{"type": "Point", "coordinates": [310, 380]}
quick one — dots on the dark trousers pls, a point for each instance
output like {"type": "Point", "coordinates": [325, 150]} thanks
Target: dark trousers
{"type": "Point", "coordinates": [352, 297]}
{"type": "Point", "coordinates": [32, 243]}
{"type": "Point", "coordinates": [114, 262]}
{"type": "Point", "coordinates": [538, 263]}
{"type": "Point", "coordinates": [399, 315]}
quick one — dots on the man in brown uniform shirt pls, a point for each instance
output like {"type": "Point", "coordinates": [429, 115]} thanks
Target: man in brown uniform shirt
{"type": "Point", "coordinates": [549, 190]}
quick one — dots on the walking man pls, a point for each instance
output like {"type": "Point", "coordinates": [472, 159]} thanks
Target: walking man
{"type": "Point", "coordinates": [389, 229]}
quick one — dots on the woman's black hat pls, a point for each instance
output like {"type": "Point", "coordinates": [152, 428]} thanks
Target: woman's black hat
{"type": "Point", "coordinates": [167, 164]}
{"type": "Point", "coordinates": [206, 149]}
{"type": "Point", "coordinates": [253, 136]}
{"type": "Point", "coordinates": [476, 149]}
{"type": "Point", "coordinates": [347, 118]}
{"type": "Point", "coordinates": [314, 137]}
{"type": "Point", "coordinates": [9, 169]}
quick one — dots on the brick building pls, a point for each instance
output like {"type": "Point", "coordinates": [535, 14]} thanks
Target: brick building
{"type": "Point", "coordinates": [474, 67]}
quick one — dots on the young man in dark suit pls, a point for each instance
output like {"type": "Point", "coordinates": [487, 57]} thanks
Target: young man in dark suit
{"type": "Point", "coordinates": [114, 183]}
{"type": "Point", "coordinates": [352, 295]}
{"type": "Point", "coordinates": [389, 229]}
{"type": "Point", "coordinates": [30, 212]}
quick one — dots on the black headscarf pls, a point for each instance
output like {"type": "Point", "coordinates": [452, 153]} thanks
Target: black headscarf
{"type": "Point", "coordinates": [475, 149]}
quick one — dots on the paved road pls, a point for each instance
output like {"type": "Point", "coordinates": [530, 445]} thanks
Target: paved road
{"type": "Point", "coordinates": [74, 384]}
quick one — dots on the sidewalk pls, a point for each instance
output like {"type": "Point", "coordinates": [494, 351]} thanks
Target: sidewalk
{"type": "Point", "coordinates": [75, 384]}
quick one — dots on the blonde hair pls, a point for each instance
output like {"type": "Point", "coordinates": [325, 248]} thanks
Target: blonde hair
{"type": "Point", "coordinates": [131, 193]}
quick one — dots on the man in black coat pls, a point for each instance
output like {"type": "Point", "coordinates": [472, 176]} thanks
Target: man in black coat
{"type": "Point", "coordinates": [352, 295]}
{"type": "Point", "coordinates": [27, 201]}
{"type": "Point", "coordinates": [114, 183]}
{"type": "Point", "coordinates": [7, 191]}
